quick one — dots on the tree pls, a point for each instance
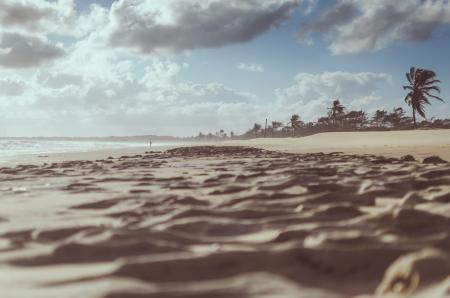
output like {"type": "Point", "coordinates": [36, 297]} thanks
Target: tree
{"type": "Point", "coordinates": [323, 122]}
{"type": "Point", "coordinates": [379, 118]}
{"type": "Point", "coordinates": [276, 125]}
{"type": "Point", "coordinates": [295, 123]}
{"type": "Point", "coordinates": [422, 83]}
{"type": "Point", "coordinates": [396, 118]}
{"type": "Point", "coordinates": [256, 128]}
{"type": "Point", "coordinates": [336, 110]}
{"type": "Point", "coordinates": [355, 119]}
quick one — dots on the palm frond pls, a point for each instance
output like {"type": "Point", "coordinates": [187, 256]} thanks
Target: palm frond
{"type": "Point", "coordinates": [430, 88]}
{"type": "Point", "coordinates": [420, 109]}
{"type": "Point", "coordinates": [432, 82]}
{"type": "Point", "coordinates": [425, 77]}
{"type": "Point", "coordinates": [412, 74]}
{"type": "Point", "coordinates": [409, 78]}
{"type": "Point", "coordinates": [424, 99]}
{"type": "Point", "coordinates": [433, 96]}
{"type": "Point", "coordinates": [408, 98]}
{"type": "Point", "coordinates": [429, 73]}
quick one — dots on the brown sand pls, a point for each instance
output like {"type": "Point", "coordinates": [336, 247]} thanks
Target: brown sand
{"type": "Point", "coordinates": [226, 222]}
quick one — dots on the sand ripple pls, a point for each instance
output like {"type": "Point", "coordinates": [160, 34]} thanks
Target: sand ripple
{"type": "Point", "coordinates": [226, 222]}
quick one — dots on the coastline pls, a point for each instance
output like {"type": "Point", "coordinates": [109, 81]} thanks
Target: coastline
{"type": "Point", "coordinates": [36, 159]}
{"type": "Point", "coordinates": [418, 143]}
{"type": "Point", "coordinates": [76, 155]}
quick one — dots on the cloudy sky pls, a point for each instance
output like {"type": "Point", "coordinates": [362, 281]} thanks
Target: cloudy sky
{"type": "Point", "coordinates": [130, 67]}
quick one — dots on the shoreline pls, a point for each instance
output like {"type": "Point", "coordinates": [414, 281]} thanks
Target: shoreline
{"type": "Point", "coordinates": [42, 158]}
{"type": "Point", "coordinates": [418, 143]}
{"type": "Point", "coordinates": [91, 155]}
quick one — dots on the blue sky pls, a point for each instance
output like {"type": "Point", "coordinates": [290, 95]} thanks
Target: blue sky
{"type": "Point", "coordinates": [283, 57]}
{"type": "Point", "coordinates": [179, 67]}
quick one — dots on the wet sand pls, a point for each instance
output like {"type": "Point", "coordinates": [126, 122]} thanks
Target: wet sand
{"type": "Point", "coordinates": [226, 222]}
{"type": "Point", "coordinates": [38, 159]}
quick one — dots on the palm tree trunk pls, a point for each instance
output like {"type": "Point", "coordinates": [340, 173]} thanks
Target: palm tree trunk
{"type": "Point", "coordinates": [414, 118]}
{"type": "Point", "coordinates": [265, 129]}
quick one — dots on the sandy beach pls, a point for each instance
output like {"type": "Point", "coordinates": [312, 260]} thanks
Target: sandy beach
{"type": "Point", "coordinates": [227, 222]}
{"type": "Point", "coordinates": [419, 143]}
{"type": "Point", "coordinates": [224, 149]}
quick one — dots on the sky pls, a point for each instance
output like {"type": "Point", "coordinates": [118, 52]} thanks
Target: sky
{"type": "Point", "coordinates": [180, 67]}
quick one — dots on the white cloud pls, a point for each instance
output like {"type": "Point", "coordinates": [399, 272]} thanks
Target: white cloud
{"type": "Point", "coordinates": [176, 26]}
{"type": "Point", "coordinates": [12, 86]}
{"type": "Point", "coordinates": [102, 92]}
{"type": "Point", "coordinates": [25, 26]}
{"type": "Point", "coordinates": [97, 91]}
{"type": "Point", "coordinates": [353, 26]}
{"type": "Point", "coordinates": [136, 26]}
{"type": "Point", "coordinates": [311, 94]}
{"type": "Point", "coordinates": [93, 88]}
{"type": "Point", "coordinates": [250, 67]}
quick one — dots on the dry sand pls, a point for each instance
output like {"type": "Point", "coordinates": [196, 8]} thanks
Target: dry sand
{"type": "Point", "coordinates": [419, 143]}
{"type": "Point", "coordinates": [226, 222]}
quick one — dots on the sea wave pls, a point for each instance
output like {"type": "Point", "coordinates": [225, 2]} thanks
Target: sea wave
{"type": "Point", "coordinates": [10, 148]}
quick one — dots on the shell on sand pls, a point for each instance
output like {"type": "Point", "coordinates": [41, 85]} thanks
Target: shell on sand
{"type": "Point", "coordinates": [416, 271]}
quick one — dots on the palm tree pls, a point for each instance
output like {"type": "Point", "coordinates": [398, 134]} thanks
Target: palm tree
{"type": "Point", "coordinates": [422, 83]}
{"type": "Point", "coordinates": [256, 128]}
{"type": "Point", "coordinates": [276, 125]}
{"type": "Point", "coordinates": [355, 119]}
{"type": "Point", "coordinates": [336, 110]}
{"type": "Point", "coordinates": [295, 123]}
{"type": "Point", "coordinates": [379, 117]}
{"type": "Point", "coordinates": [323, 122]}
{"type": "Point", "coordinates": [397, 118]}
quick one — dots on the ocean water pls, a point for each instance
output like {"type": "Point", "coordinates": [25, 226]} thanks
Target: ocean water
{"type": "Point", "coordinates": [11, 148]}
